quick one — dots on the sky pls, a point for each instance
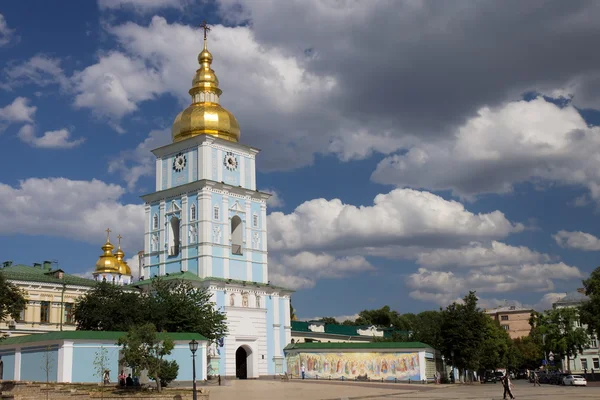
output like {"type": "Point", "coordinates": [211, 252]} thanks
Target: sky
{"type": "Point", "coordinates": [415, 150]}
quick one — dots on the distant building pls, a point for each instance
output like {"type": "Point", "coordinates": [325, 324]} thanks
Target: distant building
{"type": "Point", "coordinates": [50, 294]}
{"type": "Point", "coordinates": [515, 320]}
{"type": "Point", "coordinates": [317, 331]}
{"type": "Point", "coordinates": [590, 357]}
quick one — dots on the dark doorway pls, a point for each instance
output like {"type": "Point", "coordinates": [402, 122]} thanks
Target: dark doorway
{"type": "Point", "coordinates": [241, 368]}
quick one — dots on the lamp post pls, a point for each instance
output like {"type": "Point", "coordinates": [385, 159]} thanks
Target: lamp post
{"type": "Point", "coordinates": [193, 348]}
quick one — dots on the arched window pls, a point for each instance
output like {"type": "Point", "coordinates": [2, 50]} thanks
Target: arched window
{"type": "Point", "coordinates": [236, 235]}
{"type": "Point", "coordinates": [155, 221]}
{"type": "Point", "coordinates": [174, 237]}
{"type": "Point", "coordinates": [193, 212]}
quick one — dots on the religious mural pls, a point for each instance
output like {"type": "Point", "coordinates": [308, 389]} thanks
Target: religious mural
{"type": "Point", "coordinates": [401, 366]}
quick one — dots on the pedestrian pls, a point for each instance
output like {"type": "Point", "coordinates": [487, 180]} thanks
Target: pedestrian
{"type": "Point", "coordinates": [536, 379]}
{"type": "Point", "coordinates": [302, 370]}
{"type": "Point", "coordinates": [122, 378]}
{"type": "Point", "coordinates": [506, 383]}
{"type": "Point", "coordinates": [1, 368]}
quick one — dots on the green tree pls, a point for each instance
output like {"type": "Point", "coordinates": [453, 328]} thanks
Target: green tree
{"type": "Point", "coordinates": [529, 351]}
{"type": "Point", "coordinates": [329, 320]}
{"type": "Point", "coordinates": [103, 309]}
{"type": "Point", "coordinates": [496, 348]}
{"type": "Point", "coordinates": [144, 349]}
{"type": "Point", "coordinates": [426, 327]}
{"type": "Point", "coordinates": [178, 306]}
{"type": "Point", "coordinates": [101, 363]}
{"type": "Point", "coordinates": [463, 327]}
{"type": "Point", "coordinates": [292, 313]}
{"type": "Point", "coordinates": [590, 310]}
{"type": "Point", "coordinates": [12, 299]}
{"type": "Point", "coordinates": [559, 332]}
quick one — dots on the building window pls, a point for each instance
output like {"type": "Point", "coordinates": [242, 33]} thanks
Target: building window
{"type": "Point", "coordinates": [45, 312]}
{"type": "Point", "coordinates": [155, 221]}
{"type": "Point", "coordinates": [255, 220]}
{"type": "Point", "coordinates": [68, 313]}
{"type": "Point", "coordinates": [504, 318]}
{"type": "Point", "coordinates": [593, 343]}
{"type": "Point", "coordinates": [236, 235]}
{"type": "Point", "coordinates": [193, 212]}
{"type": "Point", "coordinates": [505, 327]}
{"type": "Point", "coordinates": [216, 212]}
{"type": "Point", "coordinates": [174, 237]}
{"type": "Point", "coordinates": [596, 363]}
{"type": "Point", "coordinates": [584, 363]}
{"type": "Point", "coordinates": [22, 315]}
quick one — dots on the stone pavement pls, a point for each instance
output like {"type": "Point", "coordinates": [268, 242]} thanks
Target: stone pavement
{"type": "Point", "coordinates": [322, 390]}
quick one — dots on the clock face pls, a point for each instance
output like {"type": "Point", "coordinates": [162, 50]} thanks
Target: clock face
{"type": "Point", "coordinates": [179, 162]}
{"type": "Point", "coordinates": [230, 161]}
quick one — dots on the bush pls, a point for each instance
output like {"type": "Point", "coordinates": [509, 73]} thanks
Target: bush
{"type": "Point", "coordinates": [168, 372]}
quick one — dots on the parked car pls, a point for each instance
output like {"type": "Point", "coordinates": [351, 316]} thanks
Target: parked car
{"type": "Point", "coordinates": [522, 374]}
{"type": "Point", "coordinates": [489, 377]}
{"type": "Point", "coordinates": [574, 380]}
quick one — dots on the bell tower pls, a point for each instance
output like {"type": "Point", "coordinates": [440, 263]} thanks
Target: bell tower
{"type": "Point", "coordinates": [206, 223]}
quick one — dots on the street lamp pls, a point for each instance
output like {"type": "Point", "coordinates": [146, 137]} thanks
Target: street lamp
{"type": "Point", "coordinates": [193, 348]}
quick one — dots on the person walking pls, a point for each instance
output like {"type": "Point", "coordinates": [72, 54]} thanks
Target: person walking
{"type": "Point", "coordinates": [536, 379]}
{"type": "Point", "coordinates": [507, 384]}
{"type": "Point", "coordinates": [302, 370]}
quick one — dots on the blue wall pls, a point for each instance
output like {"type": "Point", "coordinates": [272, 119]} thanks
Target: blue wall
{"type": "Point", "coordinates": [257, 272]}
{"type": "Point", "coordinates": [237, 270]}
{"type": "Point", "coordinates": [33, 363]}
{"type": "Point", "coordinates": [8, 358]}
{"type": "Point", "coordinates": [183, 356]}
{"type": "Point", "coordinates": [282, 342]}
{"type": "Point", "coordinates": [84, 369]}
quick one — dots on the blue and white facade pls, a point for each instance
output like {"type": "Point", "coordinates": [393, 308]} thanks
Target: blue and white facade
{"type": "Point", "coordinates": [207, 218]}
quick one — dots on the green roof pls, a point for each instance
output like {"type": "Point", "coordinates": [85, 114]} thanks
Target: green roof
{"type": "Point", "coordinates": [342, 330]}
{"type": "Point", "coordinates": [87, 335]}
{"type": "Point", "coordinates": [353, 346]}
{"type": "Point", "coordinates": [28, 273]}
{"type": "Point", "coordinates": [188, 276]}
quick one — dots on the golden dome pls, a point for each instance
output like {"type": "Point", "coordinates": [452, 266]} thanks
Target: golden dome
{"type": "Point", "coordinates": [120, 255]}
{"type": "Point", "coordinates": [107, 262]}
{"type": "Point", "coordinates": [205, 116]}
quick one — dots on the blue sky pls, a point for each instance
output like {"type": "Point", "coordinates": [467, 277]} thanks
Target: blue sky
{"type": "Point", "coordinates": [416, 150]}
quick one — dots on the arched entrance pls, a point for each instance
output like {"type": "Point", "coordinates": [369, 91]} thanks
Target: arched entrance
{"type": "Point", "coordinates": [241, 362]}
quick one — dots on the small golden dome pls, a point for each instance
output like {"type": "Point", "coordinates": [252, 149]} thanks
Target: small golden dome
{"type": "Point", "coordinates": [205, 116]}
{"type": "Point", "coordinates": [123, 268]}
{"type": "Point", "coordinates": [107, 262]}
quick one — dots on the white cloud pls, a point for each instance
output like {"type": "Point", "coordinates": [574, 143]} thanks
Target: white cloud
{"type": "Point", "coordinates": [134, 164]}
{"type": "Point", "coordinates": [115, 86]}
{"type": "Point", "coordinates": [18, 111]}
{"type": "Point", "coordinates": [141, 5]}
{"type": "Point", "coordinates": [441, 286]}
{"type": "Point", "coordinates": [547, 300]}
{"type": "Point", "coordinates": [78, 210]}
{"type": "Point", "coordinates": [517, 142]}
{"type": "Point", "coordinates": [275, 201]}
{"type": "Point", "coordinates": [40, 70]}
{"type": "Point", "coordinates": [402, 217]}
{"type": "Point", "coordinates": [60, 139]}
{"type": "Point", "coordinates": [302, 270]}
{"type": "Point", "coordinates": [479, 255]}
{"type": "Point", "coordinates": [577, 240]}
{"type": "Point", "coordinates": [6, 34]}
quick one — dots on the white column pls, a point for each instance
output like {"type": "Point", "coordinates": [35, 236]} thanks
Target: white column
{"type": "Point", "coordinates": [158, 174]}
{"type": "Point", "coordinates": [185, 231]}
{"type": "Point", "coordinates": [225, 229]}
{"type": "Point", "coordinates": [243, 166]}
{"type": "Point", "coordinates": [263, 241]}
{"type": "Point", "coordinates": [220, 156]}
{"type": "Point", "coordinates": [67, 362]}
{"type": "Point", "coordinates": [169, 162]}
{"type": "Point", "coordinates": [276, 326]}
{"type": "Point", "coordinates": [17, 372]}
{"type": "Point", "coordinates": [190, 167]}
{"type": "Point", "coordinates": [162, 237]}
{"type": "Point", "coordinates": [252, 167]}
{"type": "Point", "coordinates": [147, 228]}
{"type": "Point", "coordinates": [203, 361]}
{"type": "Point", "coordinates": [422, 365]}
{"type": "Point", "coordinates": [248, 243]}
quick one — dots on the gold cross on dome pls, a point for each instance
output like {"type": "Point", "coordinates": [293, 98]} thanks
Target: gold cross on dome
{"type": "Point", "coordinates": [206, 28]}
{"type": "Point", "coordinates": [107, 234]}
{"type": "Point", "coordinates": [119, 237]}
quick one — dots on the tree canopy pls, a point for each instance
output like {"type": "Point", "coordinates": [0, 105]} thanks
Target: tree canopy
{"type": "Point", "coordinates": [590, 310]}
{"type": "Point", "coordinates": [12, 299]}
{"type": "Point", "coordinates": [171, 306]}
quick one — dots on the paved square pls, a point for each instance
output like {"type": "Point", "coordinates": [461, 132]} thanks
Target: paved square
{"type": "Point", "coordinates": [310, 390]}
